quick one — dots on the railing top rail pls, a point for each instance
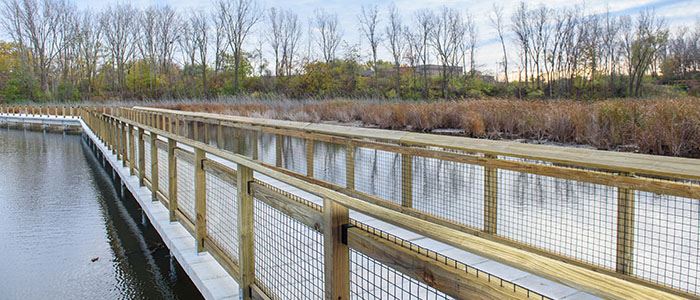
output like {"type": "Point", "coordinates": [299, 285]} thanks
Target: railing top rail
{"type": "Point", "coordinates": [674, 167]}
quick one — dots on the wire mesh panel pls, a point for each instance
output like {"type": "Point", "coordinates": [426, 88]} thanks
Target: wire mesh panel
{"type": "Point", "coordinates": [329, 162]}
{"type": "Point", "coordinates": [288, 255]}
{"type": "Point", "coordinates": [667, 240]}
{"type": "Point", "coordinates": [449, 190]}
{"type": "Point", "coordinates": [222, 211]}
{"type": "Point", "coordinates": [378, 173]}
{"type": "Point", "coordinates": [163, 174]}
{"type": "Point", "coordinates": [185, 184]}
{"type": "Point", "coordinates": [147, 156]}
{"type": "Point", "coordinates": [370, 279]}
{"type": "Point", "coordinates": [571, 218]}
{"type": "Point", "coordinates": [266, 148]}
{"type": "Point", "coordinates": [294, 154]}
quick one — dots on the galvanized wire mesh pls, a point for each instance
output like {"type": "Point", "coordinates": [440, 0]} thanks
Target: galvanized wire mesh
{"type": "Point", "coordinates": [185, 184]}
{"type": "Point", "coordinates": [449, 190]}
{"type": "Point", "coordinates": [329, 162]}
{"type": "Point", "coordinates": [667, 240]}
{"type": "Point", "coordinates": [147, 156]}
{"type": "Point", "coordinates": [378, 173]}
{"type": "Point", "coordinates": [370, 279]}
{"type": "Point", "coordinates": [288, 255]}
{"type": "Point", "coordinates": [566, 217]}
{"type": "Point", "coordinates": [163, 172]}
{"type": "Point", "coordinates": [222, 211]}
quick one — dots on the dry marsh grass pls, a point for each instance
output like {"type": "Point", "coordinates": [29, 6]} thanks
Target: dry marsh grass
{"type": "Point", "coordinates": [653, 126]}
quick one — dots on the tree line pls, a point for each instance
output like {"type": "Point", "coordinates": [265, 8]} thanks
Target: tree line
{"type": "Point", "coordinates": [56, 51]}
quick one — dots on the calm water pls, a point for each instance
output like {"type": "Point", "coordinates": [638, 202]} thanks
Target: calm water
{"type": "Point", "coordinates": [58, 212]}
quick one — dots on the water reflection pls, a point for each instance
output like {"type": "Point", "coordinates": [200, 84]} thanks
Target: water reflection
{"type": "Point", "coordinates": [58, 212]}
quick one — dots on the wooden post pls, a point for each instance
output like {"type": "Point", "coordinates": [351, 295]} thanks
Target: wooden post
{"type": "Point", "coordinates": [220, 136]}
{"type": "Point", "coordinates": [254, 145]}
{"type": "Point", "coordinates": [132, 150]}
{"type": "Point", "coordinates": [246, 254]}
{"type": "Point", "coordinates": [154, 166]}
{"type": "Point", "coordinates": [336, 255]}
{"type": "Point", "coordinates": [172, 180]}
{"type": "Point", "coordinates": [200, 194]}
{"type": "Point", "coordinates": [350, 166]}
{"type": "Point", "coordinates": [142, 159]}
{"type": "Point", "coordinates": [406, 180]}
{"type": "Point", "coordinates": [279, 143]}
{"type": "Point", "coordinates": [490, 198]}
{"type": "Point", "coordinates": [625, 230]}
{"type": "Point", "coordinates": [310, 158]}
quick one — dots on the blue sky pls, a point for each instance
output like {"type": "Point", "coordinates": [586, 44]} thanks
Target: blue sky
{"type": "Point", "coordinates": [677, 13]}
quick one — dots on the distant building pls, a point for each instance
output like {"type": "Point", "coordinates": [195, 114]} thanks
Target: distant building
{"type": "Point", "coordinates": [436, 70]}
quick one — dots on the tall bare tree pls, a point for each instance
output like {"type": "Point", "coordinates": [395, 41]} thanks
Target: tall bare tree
{"type": "Point", "coordinates": [497, 22]}
{"type": "Point", "coordinates": [239, 17]}
{"type": "Point", "coordinates": [120, 37]}
{"type": "Point", "coordinates": [396, 44]}
{"type": "Point", "coordinates": [369, 20]}
{"type": "Point", "coordinates": [329, 35]}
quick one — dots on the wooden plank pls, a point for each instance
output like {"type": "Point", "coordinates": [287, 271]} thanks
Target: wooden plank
{"type": "Point", "coordinates": [350, 166]}
{"type": "Point", "coordinates": [625, 231]}
{"type": "Point", "coordinates": [406, 180]}
{"type": "Point", "coordinates": [154, 166]}
{"type": "Point", "coordinates": [132, 150]}
{"type": "Point", "coordinates": [619, 161]}
{"type": "Point", "coordinates": [490, 199]}
{"type": "Point", "coordinates": [279, 145]}
{"type": "Point", "coordinates": [200, 194]}
{"type": "Point", "coordinates": [309, 157]}
{"type": "Point", "coordinates": [172, 180]}
{"type": "Point", "coordinates": [246, 253]}
{"type": "Point", "coordinates": [443, 277]}
{"type": "Point", "coordinates": [295, 209]}
{"type": "Point", "coordinates": [142, 158]}
{"type": "Point", "coordinates": [336, 255]}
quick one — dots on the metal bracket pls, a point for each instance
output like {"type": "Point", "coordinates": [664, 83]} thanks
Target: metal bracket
{"type": "Point", "coordinates": [344, 232]}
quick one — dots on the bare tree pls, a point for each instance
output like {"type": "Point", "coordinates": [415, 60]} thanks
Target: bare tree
{"type": "Point", "coordinates": [497, 23]}
{"type": "Point", "coordinates": [369, 20]}
{"type": "Point", "coordinates": [425, 19]}
{"type": "Point", "coordinates": [395, 44]}
{"type": "Point", "coordinates": [329, 35]}
{"type": "Point", "coordinates": [446, 38]}
{"type": "Point", "coordinates": [120, 37]}
{"type": "Point", "coordinates": [239, 18]}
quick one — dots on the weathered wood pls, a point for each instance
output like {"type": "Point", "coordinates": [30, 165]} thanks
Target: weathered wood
{"type": "Point", "coordinates": [246, 254]}
{"type": "Point", "coordinates": [297, 210]}
{"type": "Point", "coordinates": [490, 199]}
{"type": "Point", "coordinates": [609, 160]}
{"type": "Point", "coordinates": [200, 194]}
{"type": "Point", "coordinates": [336, 255]}
{"type": "Point", "coordinates": [309, 157]}
{"type": "Point", "coordinates": [279, 145]}
{"type": "Point", "coordinates": [142, 158]}
{"type": "Point", "coordinates": [132, 150]}
{"type": "Point", "coordinates": [406, 180]}
{"type": "Point", "coordinates": [154, 166]}
{"type": "Point", "coordinates": [595, 282]}
{"type": "Point", "coordinates": [350, 166]}
{"type": "Point", "coordinates": [625, 231]}
{"type": "Point", "coordinates": [172, 180]}
{"type": "Point", "coordinates": [446, 278]}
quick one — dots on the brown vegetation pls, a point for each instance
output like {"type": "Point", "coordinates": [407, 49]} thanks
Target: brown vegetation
{"type": "Point", "coordinates": [658, 126]}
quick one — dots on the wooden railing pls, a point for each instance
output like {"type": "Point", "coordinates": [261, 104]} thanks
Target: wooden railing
{"type": "Point", "coordinates": [207, 139]}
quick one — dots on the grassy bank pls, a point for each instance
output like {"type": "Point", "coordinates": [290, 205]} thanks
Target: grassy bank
{"type": "Point", "coordinates": [653, 126]}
